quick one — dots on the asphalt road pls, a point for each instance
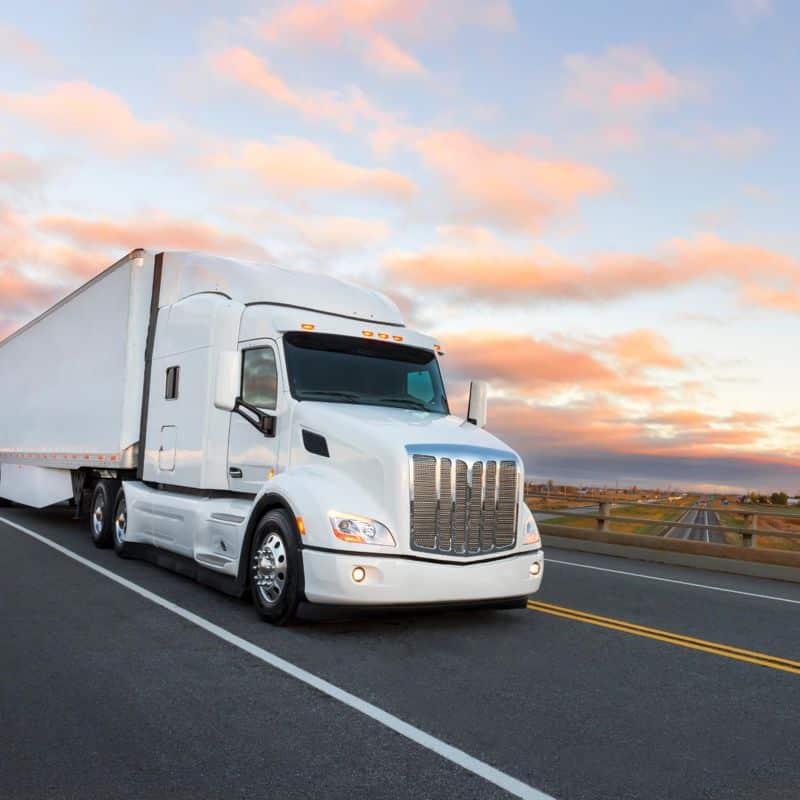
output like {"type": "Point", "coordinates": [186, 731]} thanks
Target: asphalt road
{"type": "Point", "coordinates": [107, 693]}
{"type": "Point", "coordinates": [699, 516]}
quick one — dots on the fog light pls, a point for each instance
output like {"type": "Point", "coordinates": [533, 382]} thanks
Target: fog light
{"type": "Point", "coordinates": [535, 569]}
{"type": "Point", "coordinates": [359, 573]}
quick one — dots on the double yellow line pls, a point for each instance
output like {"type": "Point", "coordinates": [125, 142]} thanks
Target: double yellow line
{"type": "Point", "coordinates": [750, 656]}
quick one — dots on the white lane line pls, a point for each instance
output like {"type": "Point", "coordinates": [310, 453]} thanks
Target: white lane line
{"type": "Point", "coordinates": [673, 580]}
{"type": "Point", "coordinates": [453, 754]}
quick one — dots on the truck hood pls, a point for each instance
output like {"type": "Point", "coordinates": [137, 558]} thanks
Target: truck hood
{"type": "Point", "coordinates": [362, 426]}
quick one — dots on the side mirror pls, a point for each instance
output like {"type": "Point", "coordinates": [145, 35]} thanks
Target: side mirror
{"type": "Point", "coordinates": [476, 410]}
{"type": "Point", "coordinates": [229, 377]}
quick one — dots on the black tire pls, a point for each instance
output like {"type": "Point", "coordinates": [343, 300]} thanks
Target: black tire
{"type": "Point", "coordinates": [101, 516]}
{"type": "Point", "coordinates": [275, 568]}
{"type": "Point", "coordinates": [119, 523]}
{"type": "Point", "coordinates": [5, 503]}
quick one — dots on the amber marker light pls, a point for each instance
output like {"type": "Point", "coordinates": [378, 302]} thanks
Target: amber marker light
{"type": "Point", "coordinates": [307, 326]}
{"type": "Point", "coordinates": [367, 333]}
{"type": "Point", "coordinates": [397, 338]}
{"type": "Point", "coordinates": [383, 335]}
{"type": "Point", "coordinates": [301, 526]}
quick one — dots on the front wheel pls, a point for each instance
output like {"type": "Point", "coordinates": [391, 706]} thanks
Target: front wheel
{"type": "Point", "coordinates": [276, 569]}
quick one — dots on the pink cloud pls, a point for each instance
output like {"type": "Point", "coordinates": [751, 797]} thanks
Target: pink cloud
{"type": "Point", "coordinates": [87, 113]}
{"type": "Point", "coordinates": [625, 80]}
{"type": "Point", "coordinates": [295, 165]}
{"type": "Point", "coordinates": [153, 231]}
{"type": "Point", "coordinates": [365, 25]}
{"type": "Point", "coordinates": [341, 109]}
{"type": "Point", "coordinates": [387, 56]}
{"type": "Point", "coordinates": [504, 186]}
{"type": "Point", "coordinates": [20, 171]}
{"type": "Point", "coordinates": [643, 349]}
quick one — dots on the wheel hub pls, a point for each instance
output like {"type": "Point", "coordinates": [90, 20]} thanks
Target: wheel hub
{"type": "Point", "coordinates": [270, 569]}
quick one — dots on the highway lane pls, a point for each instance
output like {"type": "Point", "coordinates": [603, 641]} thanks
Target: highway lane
{"type": "Point", "coordinates": [129, 700]}
{"type": "Point", "coordinates": [700, 516]}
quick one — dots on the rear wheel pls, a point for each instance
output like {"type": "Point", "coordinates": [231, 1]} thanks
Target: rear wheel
{"type": "Point", "coordinates": [275, 568]}
{"type": "Point", "coordinates": [101, 513]}
{"type": "Point", "coordinates": [120, 523]}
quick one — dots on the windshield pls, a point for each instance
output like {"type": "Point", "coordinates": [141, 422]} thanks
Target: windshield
{"type": "Point", "coordinates": [346, 369]}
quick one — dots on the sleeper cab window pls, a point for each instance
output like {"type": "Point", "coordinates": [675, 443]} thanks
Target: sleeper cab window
{"type": "Point", "coordinates": [260, 378]}
{"type": "Point", "coordinates": [173, 376]}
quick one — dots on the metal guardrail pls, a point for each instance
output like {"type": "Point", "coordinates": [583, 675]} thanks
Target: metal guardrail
{"type": "Point", "coordinates": [604, 517]}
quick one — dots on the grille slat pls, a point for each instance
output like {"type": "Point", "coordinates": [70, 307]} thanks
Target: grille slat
{"type": "Point", "coordinates": [463, 507]}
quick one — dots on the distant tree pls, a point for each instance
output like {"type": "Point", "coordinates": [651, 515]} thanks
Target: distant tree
{"type": "Point", "coordinates": [779, 498]}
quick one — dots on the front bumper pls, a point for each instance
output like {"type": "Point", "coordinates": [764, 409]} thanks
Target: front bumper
{"type": "Point", "coordinates": [393, 580]}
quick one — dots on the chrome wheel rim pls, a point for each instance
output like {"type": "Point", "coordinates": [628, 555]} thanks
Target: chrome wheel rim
{"type": "Point", "coordinates": [270, 569]}
{"type": "Point", "coordinates": [98, 514]}
{"type": "Point", "coordinates": [121, 522]}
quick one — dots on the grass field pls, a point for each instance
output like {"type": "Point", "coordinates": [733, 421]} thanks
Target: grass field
{"type": "Point", "coordinates": [734, 515]}
{"type": "Point", "coordinates": [659, 517]}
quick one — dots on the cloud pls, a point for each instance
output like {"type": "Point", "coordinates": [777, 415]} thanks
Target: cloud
{"type": "Point", "coordinates": [343, 110]}
{"type": "Point", "coordinates": [644, 349]}
{"type": "Point", "coordinates": [386, 56]}
{"type": "Point", "coordinates": [366, 26]}
{"type": "Point", "coordinates": [507, 187]}
{"type": "Point", "coordinates": [19, 171]}
{"type": "Point", "coordinates": [787, 300]}
{"type": "Point", "coordinates": [298, 165]}
{"type": "Point", "coordinates": [491, 271]}
{"type": "Point", "coordinates": [19, 49]}
{"type": "Point", "coordinates": [87, 113]}
{"type": "Point", "coordinates": [152, 231]}
{"type": "Point", "coordinates": [625, 81]}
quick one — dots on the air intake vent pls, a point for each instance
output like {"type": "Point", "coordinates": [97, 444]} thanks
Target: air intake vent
{"type": "Point", "coordinates": [316, 444]}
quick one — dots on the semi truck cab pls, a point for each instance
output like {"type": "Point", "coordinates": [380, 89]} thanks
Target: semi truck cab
{"type": "Point", "coordinates": [295, 441]}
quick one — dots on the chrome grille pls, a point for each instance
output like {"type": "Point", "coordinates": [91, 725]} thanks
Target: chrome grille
{"type": "Point", "coordinates": [463, 500]}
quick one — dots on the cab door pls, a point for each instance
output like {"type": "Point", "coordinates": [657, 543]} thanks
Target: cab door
{"type": "Point", "coordinates": [253, 456]}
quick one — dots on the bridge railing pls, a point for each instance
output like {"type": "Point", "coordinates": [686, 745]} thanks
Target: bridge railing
{"type": "Point", "coordinates": [758, 528]}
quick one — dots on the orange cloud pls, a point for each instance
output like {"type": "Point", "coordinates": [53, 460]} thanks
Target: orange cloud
{"type": "Point", "coordinates": [488, 270]}
{"type": "Point", "coordinates": [294, 165]}
{"type": "Point", "coordinates": [787, 300]}
{"type": "Point", "coordinates": [506, 187]}
{"type": "Point", "coordinates": [154, 231]}
{"type": "Point", "coordinates": [625, 80]}
{"type": "Point", "coordinates": [644, 349]}
{"type": "Point", "coordinates": [87, 113]}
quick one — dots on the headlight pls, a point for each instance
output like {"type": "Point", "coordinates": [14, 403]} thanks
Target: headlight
{"type": "Point", "coordinates": [531, 533]}
{"type": "Point", "coordinates": [361, 530]}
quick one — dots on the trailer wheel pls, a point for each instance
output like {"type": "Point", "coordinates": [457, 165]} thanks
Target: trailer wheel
{"type": "Point", "coordinates": [101, 526]}
{"type": "Point", "coordinates": [275, 568]}
{"type": "Point", "coordinates": [120, 523]}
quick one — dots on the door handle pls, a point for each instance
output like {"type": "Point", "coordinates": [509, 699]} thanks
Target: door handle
{"type": "Point", "coordinates": [234, 472]}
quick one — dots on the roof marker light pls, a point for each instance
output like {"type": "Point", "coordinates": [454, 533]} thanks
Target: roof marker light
{"type": "Point", "coordinates": [383, 335]}
{"type": "Point", "coordinates": [307, 326]}
{"type": "Point", "coordinates": [397, 338]}
{"type": "Point", "coordinates": [367, 333]}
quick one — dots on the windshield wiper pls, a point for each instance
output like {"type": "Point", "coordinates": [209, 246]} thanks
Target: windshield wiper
{"type": "Point", "coordinates": [406, 402]}
{"type": "Point", "coordinates": [308, 394]}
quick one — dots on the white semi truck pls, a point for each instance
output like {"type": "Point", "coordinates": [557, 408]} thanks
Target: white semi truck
{"type": "Point", "coordinates": [263, 430]}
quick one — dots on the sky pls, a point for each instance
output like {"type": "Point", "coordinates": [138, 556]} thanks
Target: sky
{"type": "Point", "coordinates": [592, 205]}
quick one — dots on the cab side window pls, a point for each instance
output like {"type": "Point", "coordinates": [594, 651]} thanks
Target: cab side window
{"type": "Point", "coordinates": [260, 378]}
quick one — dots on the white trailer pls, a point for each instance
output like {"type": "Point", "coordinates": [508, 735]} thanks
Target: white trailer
{"type": "Point", "coordinates": [264, 430]}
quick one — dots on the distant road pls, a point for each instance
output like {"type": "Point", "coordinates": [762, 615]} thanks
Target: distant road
{"type": "Point", "coordinates": [697, 516]}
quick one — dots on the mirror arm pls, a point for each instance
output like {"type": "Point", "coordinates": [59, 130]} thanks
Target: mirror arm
{"type": "Point", "coordinates": [263, 423]}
